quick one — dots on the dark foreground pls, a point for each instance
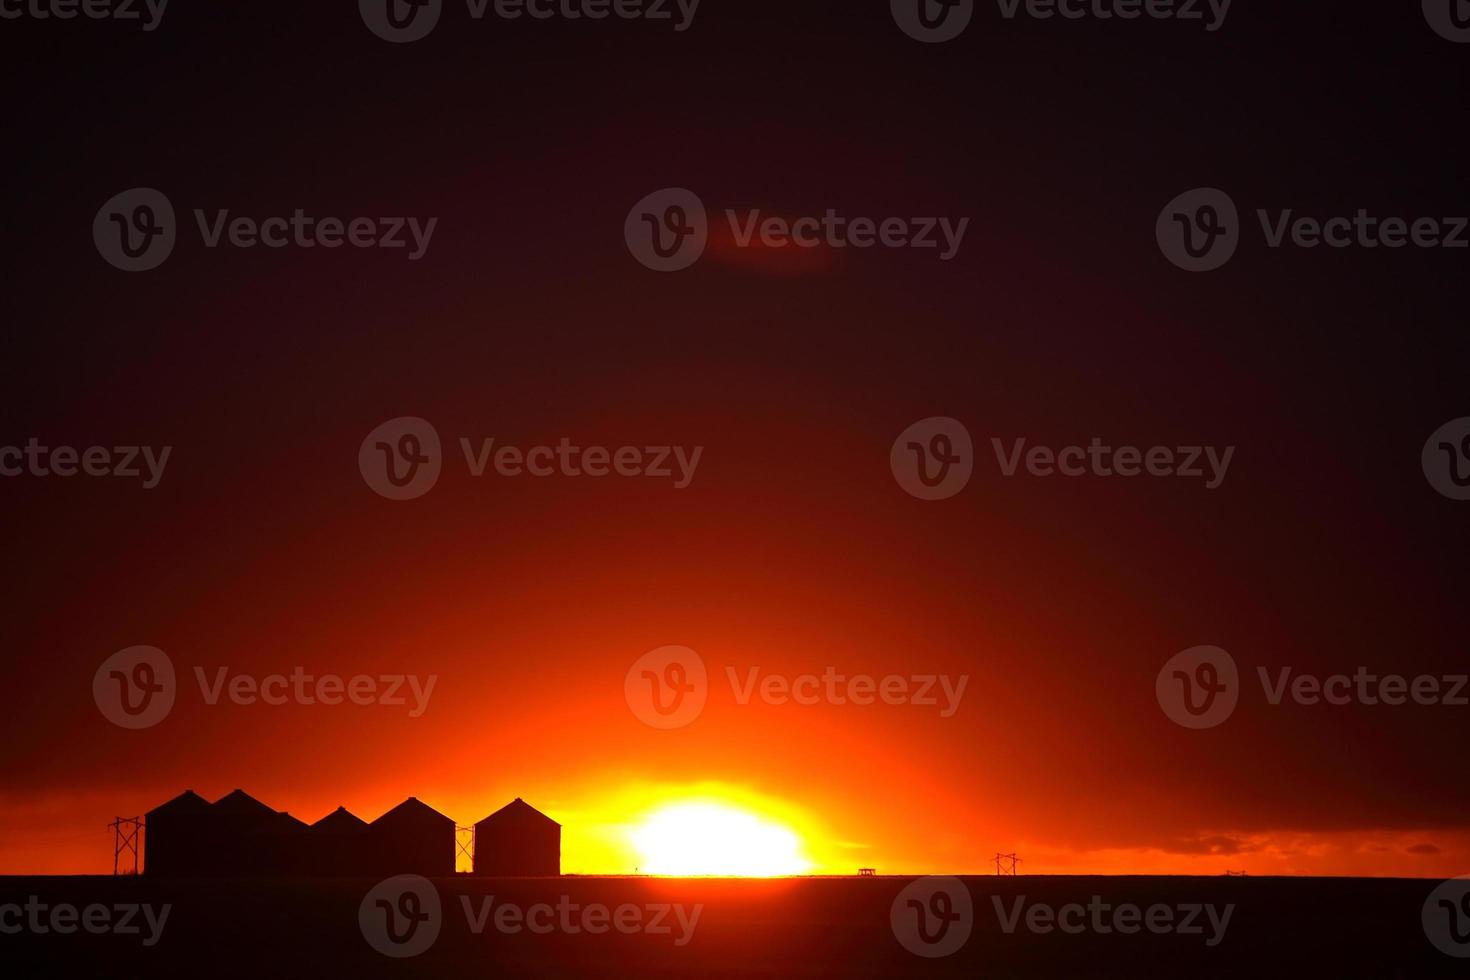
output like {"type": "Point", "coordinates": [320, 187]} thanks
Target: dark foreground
{"type": "Point", "coordinates": [1299, 927]}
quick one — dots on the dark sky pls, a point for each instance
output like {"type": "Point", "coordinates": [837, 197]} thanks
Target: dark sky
{"type": "Point", "coordinates": [528, 320]}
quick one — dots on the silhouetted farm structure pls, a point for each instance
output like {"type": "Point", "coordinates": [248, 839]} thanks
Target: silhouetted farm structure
{"type": "Point", "coordinates": [518, 841]}
{"type": "Point", "coordinates": [237, 835]}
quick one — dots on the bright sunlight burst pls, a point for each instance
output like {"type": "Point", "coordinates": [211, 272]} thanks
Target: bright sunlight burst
{"type": "Point", "coordinates": [716, 839]}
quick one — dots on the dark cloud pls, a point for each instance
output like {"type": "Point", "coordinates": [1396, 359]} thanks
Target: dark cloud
{"type": "Point", "coordinates": [1217, 844]}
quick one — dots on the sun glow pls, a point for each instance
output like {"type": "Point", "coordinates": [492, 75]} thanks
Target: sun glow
{"type": "Point", "coordinates": [707, 838]}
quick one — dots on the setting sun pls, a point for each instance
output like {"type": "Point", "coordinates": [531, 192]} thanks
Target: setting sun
{"type": "Point", "coordinates": [716, 839]}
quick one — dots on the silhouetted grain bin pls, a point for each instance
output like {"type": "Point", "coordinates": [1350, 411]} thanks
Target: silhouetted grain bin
{"type": "Point", "coordinates": [278, 846]}
{"type": "Point", "coordinates": [337, 844]}
{"type": "Point", "coordinates": [518, 840]}
{"type": "Point", "coordinates": [252, 839]}
{"type": "Point", "coordinates": [177, 837]}
{"type": "Point", "coordinates": [235, 835]}
{"type": "Point", "coordinates": [411, 838]}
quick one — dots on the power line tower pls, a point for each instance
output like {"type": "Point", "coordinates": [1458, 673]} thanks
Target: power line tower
{"type": "Point", "coordinates": [464, 844]}
{"type": "Point", "coordinates": [1005, 864]}
{"type": "Point", "coordinates": [126, 832]}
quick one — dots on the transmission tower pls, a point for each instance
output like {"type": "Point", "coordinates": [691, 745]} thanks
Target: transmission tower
{"type": "Point", "coordinates": [464, 843]}
{"type": "Point", "coordinates": [125, 834]}
{"type": "Point", "coordinates": [1005, 864]}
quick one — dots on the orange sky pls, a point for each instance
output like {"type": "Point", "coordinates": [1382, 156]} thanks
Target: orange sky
{"type": "Point", "coordinates": [1057, 750]}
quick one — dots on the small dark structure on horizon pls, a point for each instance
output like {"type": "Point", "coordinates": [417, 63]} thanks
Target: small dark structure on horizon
{"type": "Point", "coordinates": [237, 835]}
{"type": "Point", "coordinates": [518, 841]}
